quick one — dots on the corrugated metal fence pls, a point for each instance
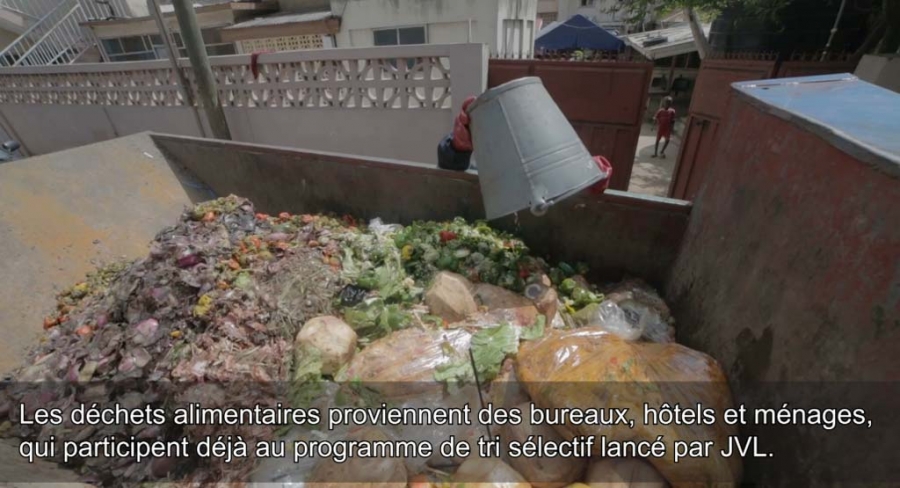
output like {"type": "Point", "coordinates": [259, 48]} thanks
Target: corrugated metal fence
{"type": "Point", "coordinates": [712, 96]}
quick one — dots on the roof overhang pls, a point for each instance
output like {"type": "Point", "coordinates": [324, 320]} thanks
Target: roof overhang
{"type": "Point", "coordinates": [283, 26]}
{"type": "Point", "coordinates": [679, 41]}
{"type": "Point", "coordinates": [238, 8]}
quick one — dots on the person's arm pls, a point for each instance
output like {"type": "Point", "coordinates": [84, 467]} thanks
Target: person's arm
{"type": "Point", "coordinates": [455, 149]}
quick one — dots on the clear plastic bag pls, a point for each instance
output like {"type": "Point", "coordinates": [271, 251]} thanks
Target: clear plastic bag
{"type": "Point", "coordinates": [653, 327]}
{"type": "Point", "coordinates": [314, 471]}
{"type": "Point", "coordinates": [643, 305]}
{"type": "Point", "coordinates": [610, 317]}
{"type": "Point", "coordinates": [437, 434]}
{"type": "Point", "coordinates": [377, 226]}
{"type": "Point", "coordinates": [590, 368]}
{"type": "Point", "coordinates": [540, 471]}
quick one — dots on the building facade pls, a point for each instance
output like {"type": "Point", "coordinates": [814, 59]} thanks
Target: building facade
{"type": "Point", "coordinates": [605, 13]}
{"type": "Point", "coordinates": [138, 38]}
{"type": "Point", "coordinates": [46, 32]}
{"type": "Point", "coordinates": [507, 27]}
{"type": "Point", "coordinates": [124, 30]}
{"type": "Point", "coordinates": [547, 11]}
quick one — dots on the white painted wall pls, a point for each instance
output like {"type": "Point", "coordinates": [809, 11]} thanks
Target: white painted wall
{"type": "Point", "coordinates": [881, 70]}
{"type": "Point", "coordinates": [516, 27]}
{"type": "Point", "coordinates": [547, 6]}
{"type": "Point", "coordinates": [446, 21]}
{"type": "Point", "coordinates": [599, 11]}
{"type": "Point", "coordinates": [304, 5]}
{"type": "Point", "coordinates": [7, 37]}
{"type": "Point", "coordinates": [118, 108]}
{"type": "Point", "coordinates": [136, 8]}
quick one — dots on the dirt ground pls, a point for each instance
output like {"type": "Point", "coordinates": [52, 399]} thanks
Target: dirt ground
{"type": "Point", "coordinates": [651, 176]}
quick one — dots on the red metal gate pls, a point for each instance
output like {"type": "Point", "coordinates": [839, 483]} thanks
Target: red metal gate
{"type": "Point", "coordinates": [712, 95]}
{"type": "Point", "coordinates": [603, 100]}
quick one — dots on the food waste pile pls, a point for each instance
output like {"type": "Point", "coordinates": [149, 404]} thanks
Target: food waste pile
{"type": "Point", "coordinates": [236, 308]}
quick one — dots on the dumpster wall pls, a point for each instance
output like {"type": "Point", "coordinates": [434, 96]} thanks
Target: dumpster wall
{"type": "Point", "coordinates": [790, 270]}
{"type": "Point", "coordinates": [62, 214]}
{"type": "Point", "coordinates": [614, 233]}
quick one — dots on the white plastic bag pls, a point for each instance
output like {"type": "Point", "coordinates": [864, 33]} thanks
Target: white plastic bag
{"type": "Point", "coordinates": [610, 317]}
{"type": "Point", "coordinates": [377, 226]}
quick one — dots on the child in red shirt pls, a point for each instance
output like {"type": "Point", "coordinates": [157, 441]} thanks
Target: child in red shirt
{"type": "Point", "coordinates": [665, 123]}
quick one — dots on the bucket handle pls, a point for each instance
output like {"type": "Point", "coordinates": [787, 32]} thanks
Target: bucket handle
{"type": "Point", "coordinates": [540, 208]}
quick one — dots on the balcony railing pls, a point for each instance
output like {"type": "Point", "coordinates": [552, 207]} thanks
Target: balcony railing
{"type": "Point", "coordinates": [54, 34]}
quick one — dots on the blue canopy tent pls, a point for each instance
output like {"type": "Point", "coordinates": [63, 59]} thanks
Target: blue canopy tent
{"type": "Point", "coordinates": [577, 33]}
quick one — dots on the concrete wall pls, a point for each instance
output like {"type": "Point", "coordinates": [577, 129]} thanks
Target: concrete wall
{"type": "Point", "coordinates": [446, 21]}
{"type": "Point", "coordinates": [600, 12]}
{"type": "Point", "coordinates": [43, 129]}
{"type": "Point", "coordinates": [304, 5]}
{"type": "Point", "coordinates": [13, 23]}
{"type": "Point", "coordinates": [6, 38]}
{"type": "Point", "coordinates": [881, 70]}
{"type": "Point", "coordinates": [392, 115]}
{"type": "Point", "coordinates": [136, 8]}
{"type": "Point", "coordinates": [516, 27]}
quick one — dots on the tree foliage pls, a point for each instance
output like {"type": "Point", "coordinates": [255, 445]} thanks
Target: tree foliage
{"type": "Point", "coordinates": [638, 10]}
{"type": "Point", "coordinates": [883, 26]}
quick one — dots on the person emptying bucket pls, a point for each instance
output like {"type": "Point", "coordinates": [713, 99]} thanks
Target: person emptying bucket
{"type": "Point", "coordinates": [455, 150]}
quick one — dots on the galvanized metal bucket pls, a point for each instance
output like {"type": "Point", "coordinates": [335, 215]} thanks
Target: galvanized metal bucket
{"type": "Point", "coordinates": [529, 156]}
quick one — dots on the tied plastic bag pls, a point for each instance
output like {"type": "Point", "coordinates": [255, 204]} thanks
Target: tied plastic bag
{"type": "Point", "coordinates": [437, 434]}
{"type": "Point", "coordinates": [591, 368]}
{"type": "Point", "coordinates": [401, 365]}
{"type": "Point", "coordinates": [541, 472]}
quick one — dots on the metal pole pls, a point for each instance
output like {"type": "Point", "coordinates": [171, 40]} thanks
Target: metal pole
{"type": "Point", "coordinates": [206, 83]}
{"type": "Point", "coordinates": [834, 30]}
{"type": "Point", "coordinates": [183, 87]}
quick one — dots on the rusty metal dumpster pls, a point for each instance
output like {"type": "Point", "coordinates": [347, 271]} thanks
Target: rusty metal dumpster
{"type": "Point", "coordinates": [786, 269]}
{"type": "Point", "coordinates": [62, 212]}
{"type": "Point", "coordinates": [790, 269]}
